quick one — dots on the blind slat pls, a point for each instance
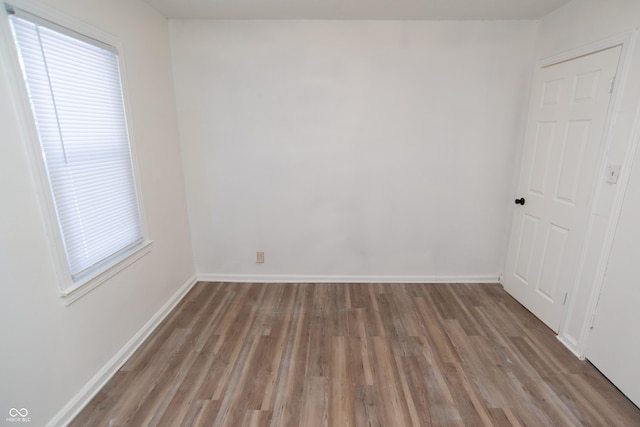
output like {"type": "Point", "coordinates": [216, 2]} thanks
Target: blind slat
{"type": "Point", "coordinates": [76, 97]}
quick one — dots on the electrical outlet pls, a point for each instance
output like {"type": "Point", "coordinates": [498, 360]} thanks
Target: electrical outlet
{"type": "Point", "coordinates": [260, 257]}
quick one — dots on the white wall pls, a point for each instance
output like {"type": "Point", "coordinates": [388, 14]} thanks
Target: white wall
{"type": "Point", "coordinates": [578, 24]}
{"type": "Point", "coordinates": [350, 148]}
{"type": "Point", "coordinates": [346, 149]}
{"type": "Point", "coordinates": [613, 344]}
{"type": "Point", "coordinates": [49, 351]}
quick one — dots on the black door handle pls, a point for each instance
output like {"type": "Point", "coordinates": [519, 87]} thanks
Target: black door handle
{"type": "Point", "coordinates": [520, 201]}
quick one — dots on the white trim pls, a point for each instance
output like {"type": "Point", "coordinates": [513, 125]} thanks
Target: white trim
{"type": "Point", "coordinates": [577, 345]}
{"type": "Point", "coordinates": [88, 392]}
{"type": "Point", "coordinates": [616, 211]}
{"type": "Point", "coordinates": [570, 346]}
{"type": "Point", "coordinates": [43, 11]}
{"type": "Point", "coordinates": [609, 238]}
{"type": "Point", "coordinates": [274, 278]}
{"type": "Point", "coordinates": [23, 14]}
{"type": "Point", "coordinates": [69, 291]}
{"type": "Point", "coordinates": [93, 282]}
{"type": "Point", "coordinates": [29, 135]}
{"type": "Point", "coordinates": [617, 40]}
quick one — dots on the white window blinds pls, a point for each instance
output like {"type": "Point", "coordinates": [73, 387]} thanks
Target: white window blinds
{"type": "Point", "coordinates": [74, 87]}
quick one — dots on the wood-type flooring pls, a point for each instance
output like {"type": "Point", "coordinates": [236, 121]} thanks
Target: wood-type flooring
{"type": "Point", "coordinates": [386, 355]}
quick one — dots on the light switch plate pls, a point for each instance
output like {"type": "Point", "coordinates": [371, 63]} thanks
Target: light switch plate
{"type": "Point", "coordinates": [613, 172]}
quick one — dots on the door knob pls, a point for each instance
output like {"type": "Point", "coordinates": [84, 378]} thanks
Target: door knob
{"type": "Point", "coordinates": [520, 201]}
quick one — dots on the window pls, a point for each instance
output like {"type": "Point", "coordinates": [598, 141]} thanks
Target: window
{"type": "Point", "coordinates": [73, 85]}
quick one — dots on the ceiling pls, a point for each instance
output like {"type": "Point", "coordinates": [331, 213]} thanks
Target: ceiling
{"type": "Point", "coordinates": [357, 9]}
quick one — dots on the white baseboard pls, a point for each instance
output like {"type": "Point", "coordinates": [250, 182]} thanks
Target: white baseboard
{"type": "Point", "coordinates": [88, 392]}
{"type": "Point", "coordinates": [267, 278]}
{"type": "Point", "coordinates": [571, 345]}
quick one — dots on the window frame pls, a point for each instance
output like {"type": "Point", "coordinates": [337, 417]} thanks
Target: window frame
{"type": "Point", "coordinates": [69, 289]}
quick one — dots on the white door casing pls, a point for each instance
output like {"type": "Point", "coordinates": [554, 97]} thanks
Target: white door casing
{"type": "Point", "coordinates": [559, 169]}
{"type": "Point", "coordinates": [613, 345]}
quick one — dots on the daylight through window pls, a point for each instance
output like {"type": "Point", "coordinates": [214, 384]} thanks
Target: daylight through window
{"type": "Point", "coordinates": [73, 83]}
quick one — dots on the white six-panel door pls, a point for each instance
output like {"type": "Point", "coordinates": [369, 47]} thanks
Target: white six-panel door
{"type": "Point", "coordinates": [559, 170]}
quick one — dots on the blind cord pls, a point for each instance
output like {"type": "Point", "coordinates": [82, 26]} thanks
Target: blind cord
{"type": "Point", "coordinates": [53, 97]}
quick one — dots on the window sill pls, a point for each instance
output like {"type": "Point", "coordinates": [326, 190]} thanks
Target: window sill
{"type": "Point", "coordinates": [85, 286]}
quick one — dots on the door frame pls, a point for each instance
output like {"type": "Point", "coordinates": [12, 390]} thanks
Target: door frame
{"type": "Point", "coordinates": [633, 145]}
{"type": "Point", "coordinates": [585, 290]}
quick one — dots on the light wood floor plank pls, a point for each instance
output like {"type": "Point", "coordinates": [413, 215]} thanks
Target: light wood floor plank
{"type": "Point", "coordinates": [339, 355]}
